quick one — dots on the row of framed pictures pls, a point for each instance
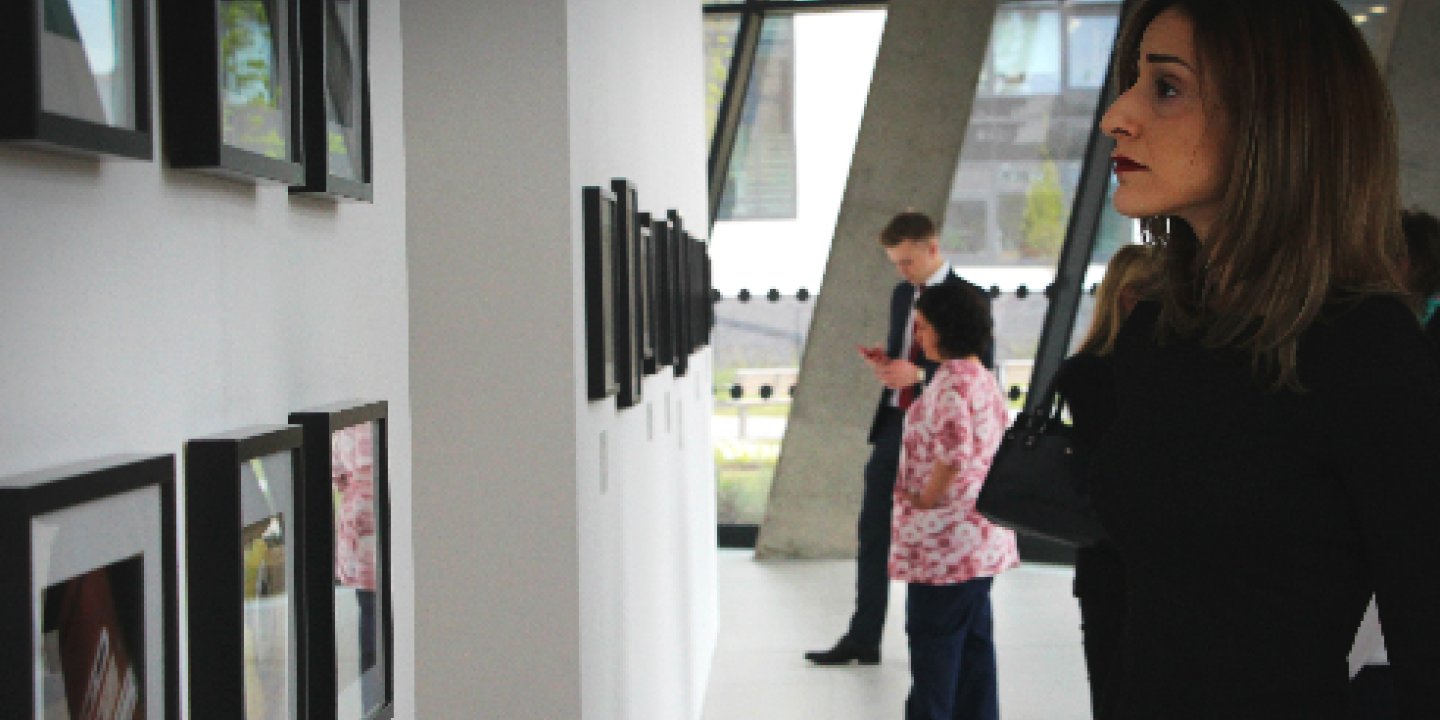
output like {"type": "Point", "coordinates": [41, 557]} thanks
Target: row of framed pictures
{"type": "Point", "coordinates": [260, 90]}
{"type": "Point", "coordinates": [287, 548]}
{"type": "Point", "coordinates": [647, 291]}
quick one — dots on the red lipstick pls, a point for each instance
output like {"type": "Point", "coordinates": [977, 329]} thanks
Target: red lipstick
{"type": "Point", "coordinates": [1124, 164]}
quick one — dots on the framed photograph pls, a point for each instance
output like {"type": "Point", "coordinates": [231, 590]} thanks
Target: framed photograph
{"type": "Point", "coordinates": [680, 291]}
{"type": "Point", "coordinates": [350, 661]}
{"type": "Point", "coordinates": [243, 552]}
{"type": "Point", "coordinates": [230, 88]}
{"type": "Point", "coordinates": [598, 208]}
{"type": "Point", "coordinates": [663, 299]}
{"type": "Point", "coordinates": [649, 353]}
{"type": "Point", "coordinates": [88, 600]}
{"type": "Point", "coordinates": [629, 365]}
{"type": "Point", "coordinates": [336, 99]}
{"type": "Point", "coordinates": [77, 76]}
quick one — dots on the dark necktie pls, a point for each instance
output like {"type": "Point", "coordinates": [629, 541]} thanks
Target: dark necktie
{"type": "Point", "coordinates": [907, 393]}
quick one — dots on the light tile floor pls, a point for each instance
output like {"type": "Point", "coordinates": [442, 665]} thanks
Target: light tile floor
{"type": "Point", "coordinates": [772, 612]}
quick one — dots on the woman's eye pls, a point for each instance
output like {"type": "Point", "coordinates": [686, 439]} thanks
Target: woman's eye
{"type": "Point", "coordinates": [1165, 89]}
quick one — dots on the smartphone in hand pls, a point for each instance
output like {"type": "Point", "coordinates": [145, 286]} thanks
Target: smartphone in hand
{"type": "Point", "coordinates": [873, 354]}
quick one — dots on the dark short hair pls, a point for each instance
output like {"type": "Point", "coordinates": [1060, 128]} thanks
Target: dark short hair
{"type": "Point", "coordinates": [960, 318]}
{"type": "Point", "coordinates": [908, 225]}
{"type": "Point", "coordinates": [1422, 239]}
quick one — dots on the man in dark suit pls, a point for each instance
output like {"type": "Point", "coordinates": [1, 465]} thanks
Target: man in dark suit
{"type": "Point", "coordinates": [912, 245]}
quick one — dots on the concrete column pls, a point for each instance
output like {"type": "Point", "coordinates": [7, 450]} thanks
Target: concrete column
{"type": "Point", "coordinates": [1415, 86]}
{"type": "Point", "coordinates": [905, 157]}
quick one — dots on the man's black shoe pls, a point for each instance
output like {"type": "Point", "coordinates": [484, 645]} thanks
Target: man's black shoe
{"type": "Point", "coordinates": [844, 653]}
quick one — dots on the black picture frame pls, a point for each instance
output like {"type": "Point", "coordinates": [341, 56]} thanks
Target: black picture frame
{"type": "Point", "coordinates": [649, 350]}
{"type": "Point", "coordinates": [244, 512]}
{"type": "Point", "coordinates": [345, 678]}
{"type": "Point", "coordinates": [230, 96]}
{"type": "Point", "coordinates": [90, 551]}
{"type": "Point", "coordinates": [680, 293]}
{"type": "Point", "coordinates": [629, 365]}
{"type": "Point", "coordinates": [699, 295]}
{"type": "Point", "coordinates": [598, 221]}
{"type": "Point", "coordinates": [54, 99]}
{"type": "Point", "coordinates": [335, 68]}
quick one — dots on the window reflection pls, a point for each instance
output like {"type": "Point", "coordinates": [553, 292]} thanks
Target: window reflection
{"type": "Point", "coordinates": [87, 68]}
{"type": "Point", "coordinates": [255, 96]}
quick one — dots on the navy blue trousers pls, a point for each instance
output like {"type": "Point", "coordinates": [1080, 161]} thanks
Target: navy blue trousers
{"type": "Point", "coordinates": [952, 652]}
{"type": "Point", "coordinates": [872, 577]}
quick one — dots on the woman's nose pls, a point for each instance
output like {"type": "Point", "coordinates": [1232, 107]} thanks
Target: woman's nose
{"type": "Point", "coordinates": [1117, 122]}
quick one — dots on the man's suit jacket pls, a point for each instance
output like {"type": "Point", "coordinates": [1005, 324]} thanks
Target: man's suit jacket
{"type": "Point", "coordinates": [901, 300]}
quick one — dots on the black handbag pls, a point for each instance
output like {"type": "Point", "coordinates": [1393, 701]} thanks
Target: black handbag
{"type": "Point", "coordinates": [1036, 484]}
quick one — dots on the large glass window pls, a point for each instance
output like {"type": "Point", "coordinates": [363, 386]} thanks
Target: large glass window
{"type": "Point", "coordinates": [758, 343]}
{"type": "Point", "coordinates": [1019, 168]}
{"type": "Point", "coordinates": [1088, 42]}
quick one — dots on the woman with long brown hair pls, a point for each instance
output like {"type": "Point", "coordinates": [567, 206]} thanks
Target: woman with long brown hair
{"type": "Point", "coordinates": [1272, 461]}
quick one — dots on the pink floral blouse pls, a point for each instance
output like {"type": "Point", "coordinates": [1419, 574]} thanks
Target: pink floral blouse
{"type": "Point", "coordinates": [958, 420]}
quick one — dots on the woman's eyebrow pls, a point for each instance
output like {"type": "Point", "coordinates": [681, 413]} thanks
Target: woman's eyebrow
{"type": "Point", "coordinates": [1161, 58]}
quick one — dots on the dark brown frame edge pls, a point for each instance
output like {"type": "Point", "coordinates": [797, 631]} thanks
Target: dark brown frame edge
{"type": "Point", "coordinates": [600, 372]}
{"type": "Point", "coordinates": [25, 122]}
{"type": "Point", "coordinates": [190, 105]}
{"type": "Point", "coordinates": [629, 366]}
{"type": "Point", "coordinates": [318, 425]}
{"type": "Point", "coordinates": [36, 493]}
{"type": "Point", "coordinates": [314, 42]}
{"type": "Point", "coordinates": [214, 584]}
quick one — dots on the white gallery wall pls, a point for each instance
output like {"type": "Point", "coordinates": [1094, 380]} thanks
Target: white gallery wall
{"type": "Point", "coordinates": [647, 516]}
{"type": "Point", "coordinates": [565, 562]}
{"type": "Point", "coordinates": [141, 307]}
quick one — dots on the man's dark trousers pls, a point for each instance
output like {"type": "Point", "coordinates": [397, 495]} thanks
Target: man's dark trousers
{"type": "Point", "coordinates": [872, 581]}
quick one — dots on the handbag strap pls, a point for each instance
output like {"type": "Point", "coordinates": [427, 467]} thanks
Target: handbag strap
{"type": "Point", "coordinates": [1052, 403]}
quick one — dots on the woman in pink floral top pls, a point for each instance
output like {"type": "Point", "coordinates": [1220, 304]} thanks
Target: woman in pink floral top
{"type": "Point", "coordinates": [940, 545]}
